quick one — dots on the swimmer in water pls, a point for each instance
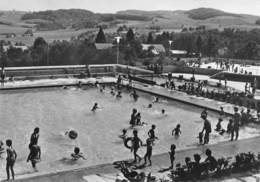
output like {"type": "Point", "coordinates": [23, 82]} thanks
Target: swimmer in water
{"type": "Point", "coordinates": [150, 105]}
{"type": "Point", "coordinates": [112, 92]}
{"type": "Point", "coordinates": [77, 154]}
{"type": "Point", "coordinates": [95, 107]}
{"type": "Point", "coordinates": [163, 111]}
{"type": "Point", "coordinates": [119, 95]}
{"type": "Point", "coordinates": [177, 131]}
{"type": "Point", "coordinates": [156, 100]}
{"type": "Point", "coordinates": [123, 136]}
{"type": "Point", "coordinates": [135, 96]}
{"type": "Point", "coordinates": [102, 88]}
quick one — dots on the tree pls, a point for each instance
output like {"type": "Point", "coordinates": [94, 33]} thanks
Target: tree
{"type": "Point", "coordinates": [150, 38]}
{"type": "Point", "coordinates": [130, 36]}
{"type": "Point", "coordinates": [210, 46]}
{"type": "Point", "coordinates": [257, 22]}
{"type": "Point", "coordinates": [199, 44]}
{"type": "Point", "coordinates": [101, 38]}
{"type": "Point", "coordinates": [40, 52]}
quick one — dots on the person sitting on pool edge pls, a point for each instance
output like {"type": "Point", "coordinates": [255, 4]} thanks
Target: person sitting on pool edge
{"type": "Point", "coordinates": [77, 154]}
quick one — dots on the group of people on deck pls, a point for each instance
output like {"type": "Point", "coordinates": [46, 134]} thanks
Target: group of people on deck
{"type": "Point", "coordinates": [237, 120]}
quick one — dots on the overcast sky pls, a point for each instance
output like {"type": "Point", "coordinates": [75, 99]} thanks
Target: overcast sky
{"type": "Point", "coordinates": [111, 6]}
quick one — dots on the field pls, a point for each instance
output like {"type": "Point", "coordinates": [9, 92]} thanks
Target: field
{"type": "Point", "coordinates": [10, 22]}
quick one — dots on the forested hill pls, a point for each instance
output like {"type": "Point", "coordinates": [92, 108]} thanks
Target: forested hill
{"type": "Point", "coordinates": [205, 13]}
{"type": "Point", "coordinates": [80, 19]}
{"type": "Point", "coordinates": [74, 18]}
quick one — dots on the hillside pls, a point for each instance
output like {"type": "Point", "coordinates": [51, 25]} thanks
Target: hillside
{"type": "Point", "coordinates": [206, 13]}
{"type": "Point", "coordinates": [74, 18]}
{"type": "Point", "coordinates": [64, 24]}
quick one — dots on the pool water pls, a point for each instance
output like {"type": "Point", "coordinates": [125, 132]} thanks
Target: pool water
{"type": "Point", "coordinates": [57, 110]}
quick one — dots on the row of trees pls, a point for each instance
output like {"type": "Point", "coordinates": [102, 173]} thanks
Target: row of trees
{"type": "Point", "coordinates": [229, 43]}
{"type": "Point", "coordinates": [233, 43]}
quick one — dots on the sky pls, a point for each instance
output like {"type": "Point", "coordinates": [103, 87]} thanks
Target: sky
{"type": "Point", "coordinates": [112, 6]}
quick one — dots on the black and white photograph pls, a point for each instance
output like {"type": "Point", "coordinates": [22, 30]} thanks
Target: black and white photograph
{"type": "Point", "coordinates": [130, 90]}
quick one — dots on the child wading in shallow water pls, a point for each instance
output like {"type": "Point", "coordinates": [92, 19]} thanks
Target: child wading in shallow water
{"type": "Point", "coordinates": [176, 131]}
{"type": "Point", "coordinates": [35, 155]}
{"type": "Point", "coordinates": [10, 159]}
{"type": "Point", "coordinates": [172, 155]}
{"type": "Point", "coordinates": [95, 107]}
{"type": "Point", "coordinates": [123, 136]}
{"type": "Point", "coordinates": [200, 138]}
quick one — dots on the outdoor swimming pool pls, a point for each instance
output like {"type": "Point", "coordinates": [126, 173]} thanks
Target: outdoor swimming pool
{"type": "Point", "coordinates": [57, 110]}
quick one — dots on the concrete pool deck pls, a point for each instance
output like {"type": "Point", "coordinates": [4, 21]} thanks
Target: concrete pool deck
{"type": "Point", "coordinates": [160, 162]}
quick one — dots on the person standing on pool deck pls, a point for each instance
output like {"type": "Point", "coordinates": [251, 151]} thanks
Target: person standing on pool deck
{"type": "Point", "coordinates": [136, 143]}
{"type": "Point", "coordinates": [207, 128]}
{"type": "Point", "coordinates": [10, 159]}
{"type": "Point", "coordinates": [34, 137]}
{"type": "Point", "coordinates": [235, 128]}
